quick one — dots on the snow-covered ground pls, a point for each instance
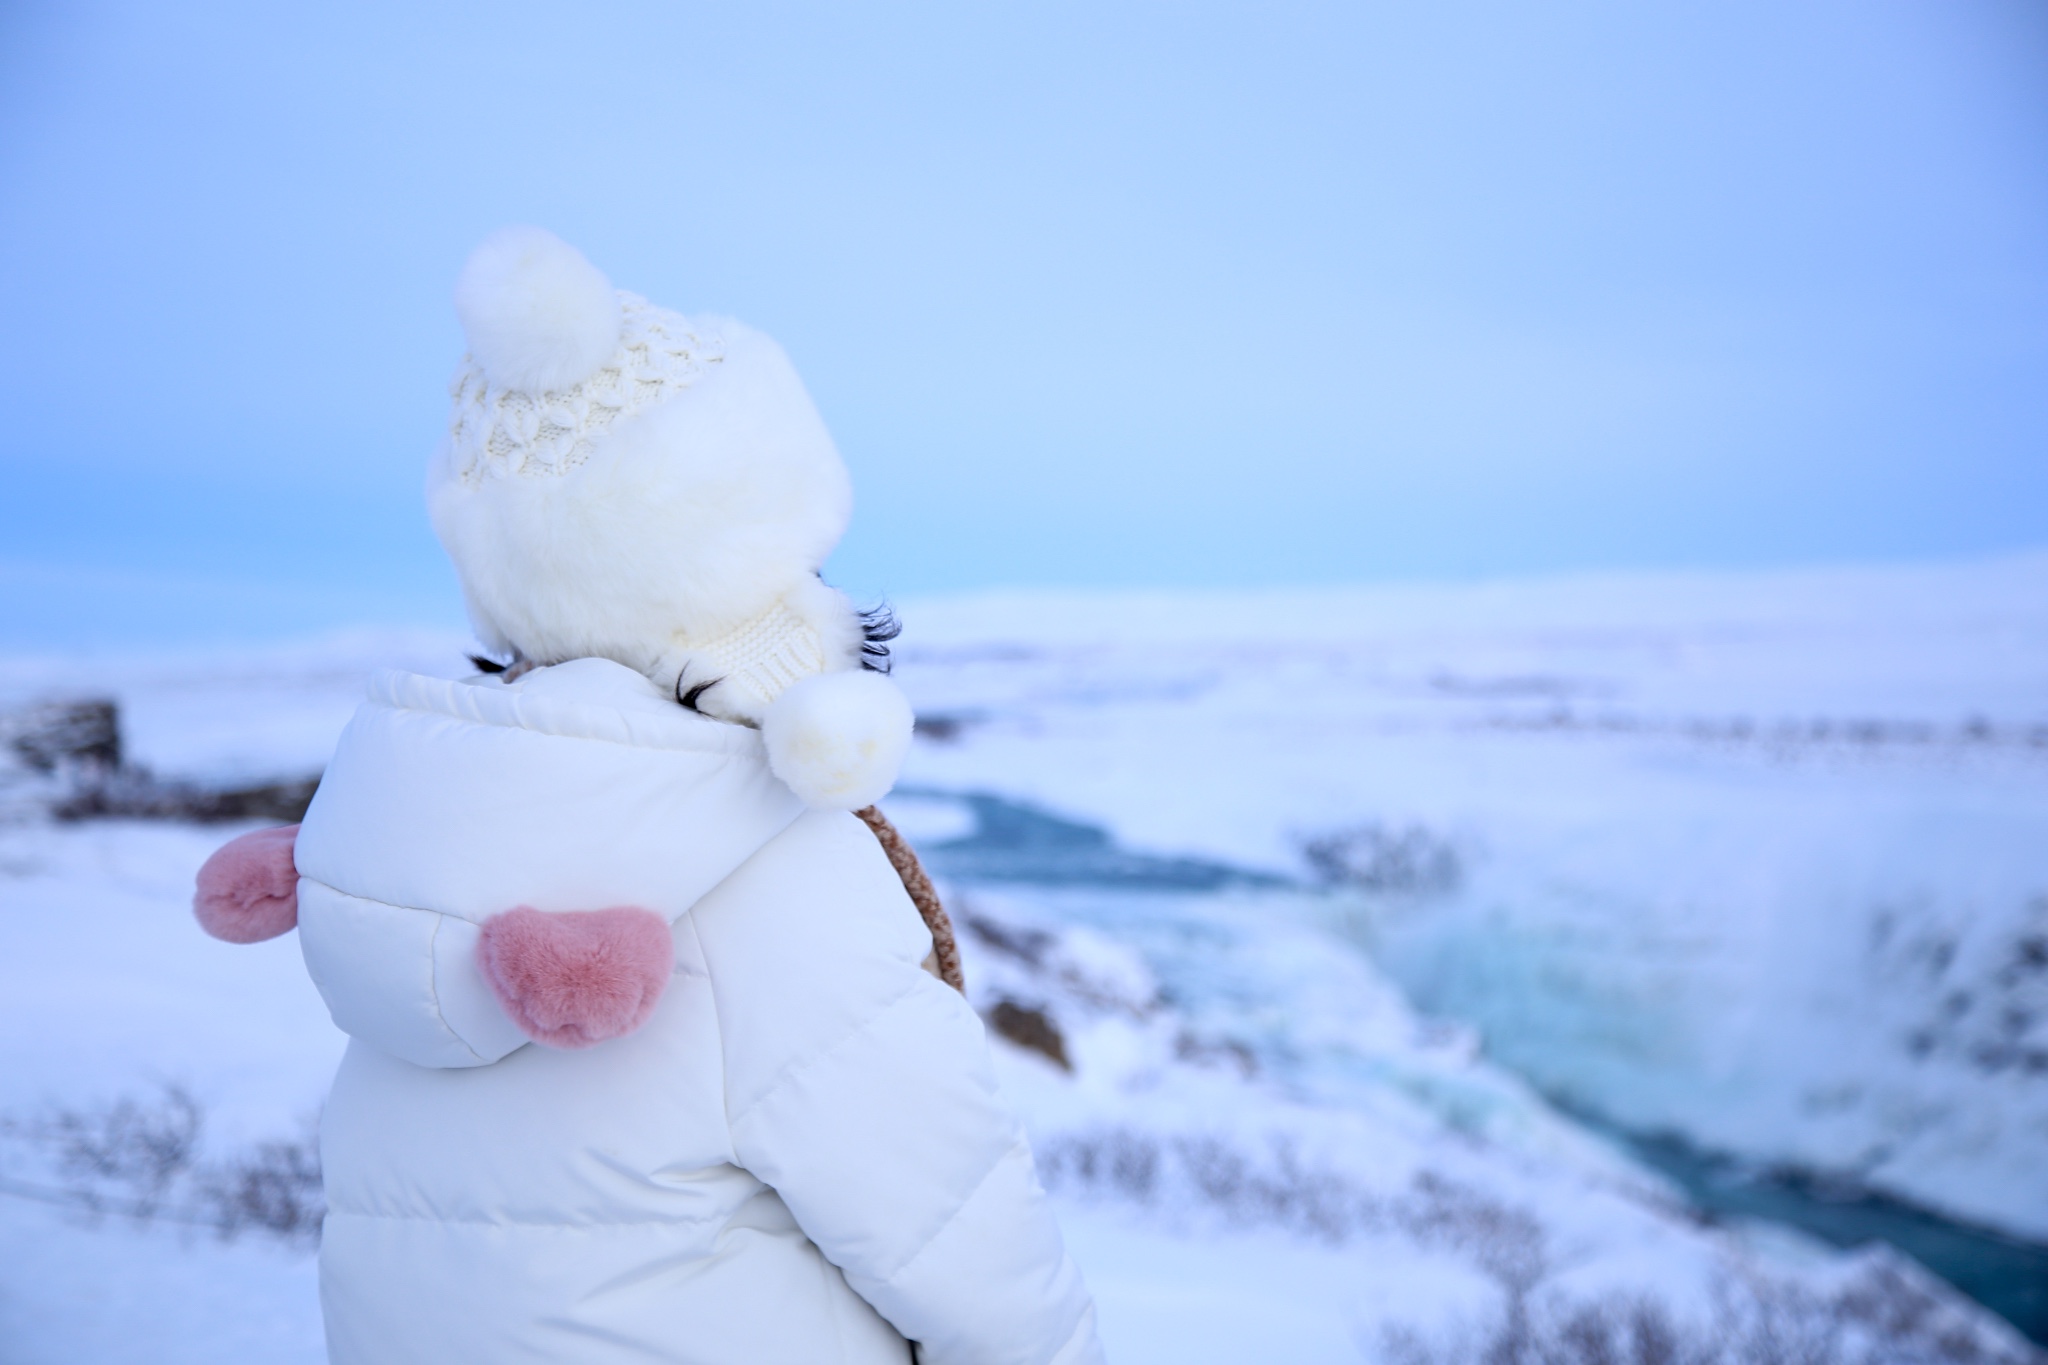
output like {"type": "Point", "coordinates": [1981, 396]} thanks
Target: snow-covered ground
{"type": "Point", "coordinates": [1761, 860]}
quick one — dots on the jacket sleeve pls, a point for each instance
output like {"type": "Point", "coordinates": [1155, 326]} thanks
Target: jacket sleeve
{"type": "Point", "coordinates": [859, 1087]}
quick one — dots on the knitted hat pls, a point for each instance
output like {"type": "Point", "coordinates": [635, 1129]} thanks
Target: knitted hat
{"type": "Point", "coordinates": [623, 482]}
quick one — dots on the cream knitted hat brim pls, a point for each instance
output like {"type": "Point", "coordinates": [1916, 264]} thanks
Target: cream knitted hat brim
{"type": "Point", "coordinates": [624, 482]}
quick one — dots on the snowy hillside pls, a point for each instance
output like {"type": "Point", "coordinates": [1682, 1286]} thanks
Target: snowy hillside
{"type": "Point", "coordinates": [1761, 860]}
{"type": "Point", "coordinates": [1287, 911]}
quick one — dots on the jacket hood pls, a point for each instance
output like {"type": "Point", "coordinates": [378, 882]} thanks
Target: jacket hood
{"type": "Point", "coordinates": [577, 787]}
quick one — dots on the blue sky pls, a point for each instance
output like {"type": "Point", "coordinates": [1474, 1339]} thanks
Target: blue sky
{"type": "Point", "coordinates": [1090, 295]}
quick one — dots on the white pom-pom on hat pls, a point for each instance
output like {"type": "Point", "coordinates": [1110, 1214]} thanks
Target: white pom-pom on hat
{"type": "Point", "coordinates": [538, 316]}
{"type": "Point", "coordinates": [838, 739]}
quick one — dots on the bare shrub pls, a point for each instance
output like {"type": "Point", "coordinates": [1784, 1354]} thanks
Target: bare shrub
{"type": "Point", "coordinates": [272, 1188]}
{"type": "Point", "coordinates": [1200, 1173]}
{"type": "Point", "coordinates": [127, 1156]}
{"type": "Point", "coordinates": [1505, 1242]}
{"type": "Point", "coordinates": [140, 1160]}
{"type": "Point", "coordinates": [1617, 1332]}
{"type": "Point", "coordinates": [1409, 860]}
{"type": "Point", "coordinates": [57, 735]}
{"type": "Point", "coordinates": [1751, 1322]}
{"type": "Point", "coordinates": [1887, 1312]}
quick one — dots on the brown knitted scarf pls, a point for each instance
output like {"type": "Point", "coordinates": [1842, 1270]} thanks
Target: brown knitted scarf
{"type": "Point", "coordinates": [944, 963]}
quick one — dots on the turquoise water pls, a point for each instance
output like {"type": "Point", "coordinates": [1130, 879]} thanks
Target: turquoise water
{"type": "Point", "coordinates": [1019, 844]}
{"type": "Point", "coordinates": [2008, 1276]}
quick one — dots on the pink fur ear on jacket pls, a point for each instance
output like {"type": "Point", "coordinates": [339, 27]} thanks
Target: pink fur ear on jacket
{"type": "Point", "coordinates": [249, 889]}
{"type": "Point", "coordinates": [574, 978]}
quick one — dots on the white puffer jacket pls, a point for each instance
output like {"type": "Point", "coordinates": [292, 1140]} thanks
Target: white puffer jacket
{"type": "Point", "coordinates": [800, 1158]}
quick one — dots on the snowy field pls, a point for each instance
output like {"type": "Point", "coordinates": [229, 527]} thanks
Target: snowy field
{"type": "Point", "coordinates": [1306, 923]}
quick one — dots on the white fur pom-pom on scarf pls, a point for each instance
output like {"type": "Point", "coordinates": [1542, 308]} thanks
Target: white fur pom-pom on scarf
{"type": "Point", "coordinates": [538, 316]}
{"type": "Point", "coordinates": [838, 739]}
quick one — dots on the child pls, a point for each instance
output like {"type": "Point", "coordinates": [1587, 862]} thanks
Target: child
{"type": "Point", "coordinates": [755, 1128]}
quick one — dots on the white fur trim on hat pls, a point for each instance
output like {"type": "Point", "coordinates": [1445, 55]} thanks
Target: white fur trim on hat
{"type": "Point", "coordinates": [538, 316]}
{"type": "Point", "coordinates": [838, 739]}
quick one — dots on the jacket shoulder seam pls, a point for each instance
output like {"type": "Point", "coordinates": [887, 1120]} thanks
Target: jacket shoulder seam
{"type": "Point", "coordinates": [798, 1065]}
{"type": "Point", "coordinates": [958, 1209]}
